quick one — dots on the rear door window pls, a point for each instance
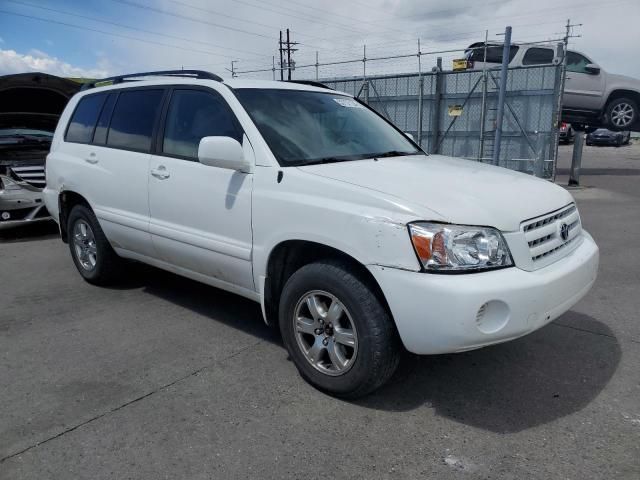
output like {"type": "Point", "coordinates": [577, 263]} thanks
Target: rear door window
{"type": "Point", "coordinates": [538, 56]}
{"type": "Point", "coordinates": [84, 118]}
{"type": "Point", "coordinates": [100, 135]}
{"type": "Point", "coordinates": [133, 119]}
{"type": "Point", "coordinates": [192, 115]}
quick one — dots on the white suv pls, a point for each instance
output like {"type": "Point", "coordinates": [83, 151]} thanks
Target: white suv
{"type": "Point", "coordinates": [353, 240]}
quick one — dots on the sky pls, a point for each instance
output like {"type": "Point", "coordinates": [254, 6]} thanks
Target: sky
{"type": "Point", "coordinates": [98, 38]}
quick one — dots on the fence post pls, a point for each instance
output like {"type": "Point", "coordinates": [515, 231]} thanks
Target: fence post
{"type": "Point", "coordinates": [483, 107]}
{"type": "Point", "coordinates": [561, 52]}
{"type": "Point", "coordinates": [538, 169]}
{"type": "Point", "coordinates": [420, 96]}
{"type": "Point", "coordinates": [504, 71]}
{"type": "Point", "coordinates": [317, 65]}
{"type": "Point", "coordinates": [437, 97]}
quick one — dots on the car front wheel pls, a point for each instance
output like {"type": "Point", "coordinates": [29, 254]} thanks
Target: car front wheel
{"type": "Point", "coordinates": [338, 333]}
{"type": "Point", "coordinates": [622, 113]}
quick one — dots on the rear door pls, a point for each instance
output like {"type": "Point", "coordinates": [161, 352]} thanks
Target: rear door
{"type": "Point", "coordinates": [583, 90]}
{"type": "Point", "coordinates": [200, 215]}
{"type": "Point", "coordinates": [116, 163]}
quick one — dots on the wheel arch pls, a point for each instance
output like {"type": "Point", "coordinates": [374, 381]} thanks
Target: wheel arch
{"type": "Point", "coordinates": [288, 256]}
{"type": "Point", "coordinates": [67, 199]}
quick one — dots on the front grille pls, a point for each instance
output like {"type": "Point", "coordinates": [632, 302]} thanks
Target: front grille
{"type": "Point", "coordinates": [33, 175]}
{"type": "Point", "coordinates": [544, 234]}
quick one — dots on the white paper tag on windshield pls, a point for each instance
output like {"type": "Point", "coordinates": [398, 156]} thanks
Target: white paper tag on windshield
{"type": "Point", "coordinates": [348, 102]}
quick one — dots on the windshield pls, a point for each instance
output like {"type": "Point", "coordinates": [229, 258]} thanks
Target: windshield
{"type": "Point", "coordinates": [304, 128]}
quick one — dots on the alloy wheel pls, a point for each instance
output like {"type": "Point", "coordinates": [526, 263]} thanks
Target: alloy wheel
{"type": "Point", "coordinates": [622, 115]}
{"type": "Point", "coordinates": [325, 332]}
{"type": "Point", "coordinates": [84, 244]}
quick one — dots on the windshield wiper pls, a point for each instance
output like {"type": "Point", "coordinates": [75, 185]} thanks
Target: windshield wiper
{"type": "Point", "coordinates": [318, 161]}
{"type": "Point", "coordinates": [394, 153]}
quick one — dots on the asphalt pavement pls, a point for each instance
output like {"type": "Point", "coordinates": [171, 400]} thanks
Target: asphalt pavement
{"type": "Point", "coordinates": [163, 377]}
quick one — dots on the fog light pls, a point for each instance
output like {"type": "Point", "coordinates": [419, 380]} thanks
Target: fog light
{"type": "Point", "coordinates": [6, 215]}
{"type": "Point", "coordinates": [492, 316]}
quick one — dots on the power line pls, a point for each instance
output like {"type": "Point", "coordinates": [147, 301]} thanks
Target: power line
{"type": "Point", "coordinates": [128, 37]}
{"type": "Point", "coordinates": [191, 19]}
{"type": "Point", "coordinates": [134, 28]}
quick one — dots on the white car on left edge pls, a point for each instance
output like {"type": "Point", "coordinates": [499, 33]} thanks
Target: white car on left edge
{"type": "Point", "coordinates": [352, 239]}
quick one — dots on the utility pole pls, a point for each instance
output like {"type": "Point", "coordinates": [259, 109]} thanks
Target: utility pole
{"type": "Point", "coordinates": [281, 48]}
{"type": "Point", "coordinates": [286, 46]}
{"type": "Point", "coordinates": [233, 69]}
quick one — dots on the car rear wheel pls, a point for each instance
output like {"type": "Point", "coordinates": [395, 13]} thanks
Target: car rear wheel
{"type": "Point", "coordinates": [91, 252]}
{"type": "Point", "coordinates": [339, 335]}
{"type": "Point", "coordinates": [622, 113]}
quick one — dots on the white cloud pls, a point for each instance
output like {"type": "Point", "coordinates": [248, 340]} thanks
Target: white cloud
{"type": "Point", "coordinates": [38, 61]}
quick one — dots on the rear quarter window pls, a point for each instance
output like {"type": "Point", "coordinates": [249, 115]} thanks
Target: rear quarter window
{"type": "Point", "coordinates": [84, 118]}
{"type": "Point", "coordinates": [133, 119]}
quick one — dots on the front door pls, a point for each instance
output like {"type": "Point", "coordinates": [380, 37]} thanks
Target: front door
{"type": "Point", "coordinates": [583, 90]}
{"type": "Point", "coordinates": [200, 215]}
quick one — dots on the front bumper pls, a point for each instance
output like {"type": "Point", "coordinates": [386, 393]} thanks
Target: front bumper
{"type": "Point", "coordinates": [602, 141]}
{"type": "Point", "coordinates": [437, 313]}
{"type": "Point", "coordinates": [20, 207]}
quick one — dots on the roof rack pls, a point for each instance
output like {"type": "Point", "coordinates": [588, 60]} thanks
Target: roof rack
{"type": "Point", "coordinates": [162, 73]}
{"type": "Point", "coordinates": [311, 83]}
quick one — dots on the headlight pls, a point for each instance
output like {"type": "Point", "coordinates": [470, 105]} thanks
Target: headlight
{"type": "Point", "coordinates": [457, 248]}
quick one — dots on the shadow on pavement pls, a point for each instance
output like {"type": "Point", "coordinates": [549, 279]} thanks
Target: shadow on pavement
{"type": "Point", "coordinates": [31, 232]}
{"type": "Point", "coordinates": [510, 387]}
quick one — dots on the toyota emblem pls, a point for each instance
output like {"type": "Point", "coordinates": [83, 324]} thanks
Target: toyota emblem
{"type": "Point", "coordinates": [564, 231]}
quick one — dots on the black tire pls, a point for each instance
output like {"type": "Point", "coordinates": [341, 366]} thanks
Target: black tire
{"type": "Point", "coordinates": [378, 347]}
{"type": "Point", "coordinates": [108, 265]}
{"type": "Point", "coordinates": [617, 103]}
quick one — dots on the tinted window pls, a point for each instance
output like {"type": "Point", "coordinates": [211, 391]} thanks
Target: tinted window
{"type": "Point", "coordinates": [84, 118]}
{"type": "Point", "coordinates": [194, 114]}
{"type": "Point", "coordinates": [577, 62]}
{"type": "Point", "coordinates": [100, 134]}
{"type": "Point", "coordinates": [133, 119]}
{"type": "Point", "coordinates": [494, 53]}
{"type": "Point", "coordinates": [538, 56]}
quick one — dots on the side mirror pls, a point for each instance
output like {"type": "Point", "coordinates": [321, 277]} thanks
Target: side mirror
{"type": "Point", "coordinates": [223, 152]}
{"type": "Point", "coordinates": [410, 136]}
{"type": "Point", "coordinates": [592, 68]}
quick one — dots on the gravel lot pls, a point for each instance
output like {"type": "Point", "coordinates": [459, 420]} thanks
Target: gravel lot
{"type": "Point", "coordinates": [166, 378]}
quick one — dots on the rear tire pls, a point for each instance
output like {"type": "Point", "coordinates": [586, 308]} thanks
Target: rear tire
{"type": "Point", "coordinates": [91, 252]}
{"type": "Point", "coordinates": [315, 339]}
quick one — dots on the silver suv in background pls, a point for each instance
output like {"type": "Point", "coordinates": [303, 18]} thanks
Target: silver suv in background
{"type": "Point", "coordinates": [592, 96]}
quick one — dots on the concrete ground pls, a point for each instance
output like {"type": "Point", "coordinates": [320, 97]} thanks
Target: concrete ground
{"type": "Point", "coordinates": [166, 378]}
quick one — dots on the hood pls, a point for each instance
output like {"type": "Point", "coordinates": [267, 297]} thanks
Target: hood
{"type": "Point", "coordinates": [623, 81]}
{"type": "Point", "coordinates": [456, 190]}
{"type": "Point", "coordinates": [34, 100]}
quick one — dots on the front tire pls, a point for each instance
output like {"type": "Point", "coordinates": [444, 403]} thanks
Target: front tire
{"type": "Point", "coordinates": [91, 252]}
{"type": "Point", "coordinates": [340, 336]}
{"type": "Point", "coordinates": [621, 114]}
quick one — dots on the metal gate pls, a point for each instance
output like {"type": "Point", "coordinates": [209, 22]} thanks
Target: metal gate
{"type": "Point", "coordinates": [454, 113]}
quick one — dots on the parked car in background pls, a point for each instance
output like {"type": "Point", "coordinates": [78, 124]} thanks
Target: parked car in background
{"type": "Point", "coordinates": [352, 239]}
{"type": "Point", "coordinates": [566, 133]}
{"type": "Point", "coordinates": [602, 136]}
{"type": "Point", "coordinates": [30, 105]}
{"type": "Point", "coordinates": [592, 96]}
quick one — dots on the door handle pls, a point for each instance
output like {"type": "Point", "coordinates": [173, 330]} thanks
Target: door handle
{"type": "Point", "coordinates": [160, 172]}
{"type": "Point", "coordinates": [91, 158]}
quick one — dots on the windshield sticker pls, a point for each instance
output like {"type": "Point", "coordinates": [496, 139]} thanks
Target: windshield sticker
{"type": "Point", "coordinates": [348, 102]}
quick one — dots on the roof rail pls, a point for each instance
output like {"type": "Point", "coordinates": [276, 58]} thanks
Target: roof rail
{"type": "Point", "coordinates": [162, 73]}
{"type": "Point", "coordinates": [311, 83]}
